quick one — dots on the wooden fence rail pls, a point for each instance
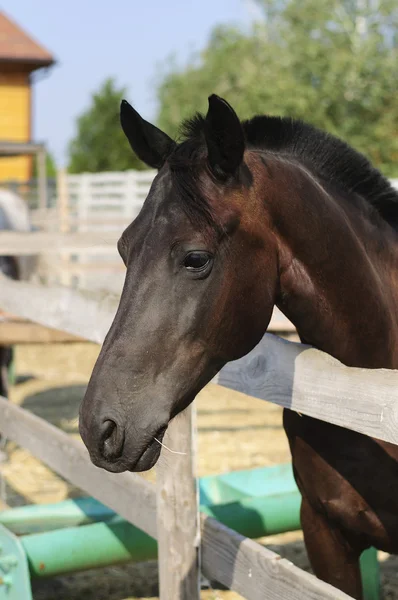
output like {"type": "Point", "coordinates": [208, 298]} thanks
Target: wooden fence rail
{"type": "Point", "coordinates": [290, 375]}
{"type": "Point", "coordinates": [127, 493]}
{"type": "Point", "coordinates": [92, 203]}
{"type": "Point", "coordinates": [226, 556]}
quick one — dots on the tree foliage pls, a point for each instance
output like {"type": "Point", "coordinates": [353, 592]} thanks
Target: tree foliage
{"type": "Point", "coordinates": [332, 63]}
{"type": "Point", "coordinates": [100, 144]}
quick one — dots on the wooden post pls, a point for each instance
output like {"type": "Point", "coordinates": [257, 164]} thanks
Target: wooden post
{"type": "Point", "coordinates": [62, 201]}
{"type": "Point", "coordinates": [42, 182]}
{"type": "Point", "coordinates": [178, 513]}
{"type": "Point", "coordinates": [130, 199]}
{"type": "Point", "coordinates": [63, 223]}
{"type": "Point", "coordinates": [84, 202]}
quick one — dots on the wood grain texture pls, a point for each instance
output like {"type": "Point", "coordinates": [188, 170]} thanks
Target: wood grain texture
{"type": "Point", "coordinates": [25, 332]}
{"type": "Point", "coordinates": [81, 313]}
{"type": "Point", "coordinates": [40, 242]}
{"type": "Point", "coordinates": [128, 494]}
{"type": "Point", "coordinates": [226, 556]}
{"type": "Point", "coordinates": [291, 375]}
{"type": "Point", "coordinates": [84, 314]}
{"type": "Point", "coordinates": [313, 383]}
{"type": "Point", "coordinates": [178, 513]}
{"type": "Point", "coordinates": [254, 571]}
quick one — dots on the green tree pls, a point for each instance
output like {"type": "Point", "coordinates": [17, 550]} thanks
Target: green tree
{"type": "Point", "coordinates": [332, 63]}
{"type": "Point", "coordinates": [100, 144]}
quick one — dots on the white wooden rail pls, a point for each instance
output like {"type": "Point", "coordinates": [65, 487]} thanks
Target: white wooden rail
{"type": "Point", "coordinates": [90, 203]}
{"type": "Point", "coordinates": [289, 374]}
{"type": "Point", "coordinates": [49, 242]}
{"type": "Point", "coordinates": [313, 383]}
{"type": "Point", "coordinates": [113, 195]}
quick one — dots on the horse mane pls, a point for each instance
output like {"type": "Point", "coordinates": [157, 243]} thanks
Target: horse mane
{"type": "Point", "coordinates": [325, 155]}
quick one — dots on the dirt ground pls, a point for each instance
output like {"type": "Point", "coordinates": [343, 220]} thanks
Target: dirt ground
{"type": "Point", "coordinates": [235, 432]}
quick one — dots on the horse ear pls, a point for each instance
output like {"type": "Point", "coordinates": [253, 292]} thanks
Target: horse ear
{"type": "Point", "coordinates": [224, 138]}
{"type": "Point", "coordinates": [150, 144]}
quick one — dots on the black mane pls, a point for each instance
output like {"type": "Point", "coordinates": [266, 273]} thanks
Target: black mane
{"type": "Point", "coordinates": [323, 154]}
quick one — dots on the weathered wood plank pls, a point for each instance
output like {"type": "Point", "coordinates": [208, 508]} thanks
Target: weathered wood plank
{"type": "Point", "coordinates": [254, 571]}
{"type": "Point", "coordinates": [40, 242]}
{"type": "Point", "coordinates": [226, 556]}
{"type": "Point", "coordinates": [178, 513]}
{"type": "Point", "coordinates": [313, 383]}
{"type": "Point", "coordinates": [78, 268]}
{"type": "Point", "coordinates": [81, 313]}
{"type": "Point", "coordinates": [84, 314]}
{"type": "Point", "coordinates": [291, 375]}
{"type": "Point", "coordinates": [25, 332]}
{"type": "Point", "coordinates": [62, 203]}
{"type": "Point", "coordinates": [128, 494]}
{"type": "Point", "coordinates": [279, 323]}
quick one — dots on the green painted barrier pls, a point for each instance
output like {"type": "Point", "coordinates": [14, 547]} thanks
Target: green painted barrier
{"type": "Point", "coordinates": [370, 571]}
{"type": "Point", "coordinates": [87, 547]}
{"type": "Point", "coordinates": [87, 534]}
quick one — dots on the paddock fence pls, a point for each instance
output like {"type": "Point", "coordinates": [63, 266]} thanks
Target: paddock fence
{"type": "Point", "coordinates": [81, 231]}
{"type": "Point", "coordinates": [289, 374]}
{"type": "Point", "coordinates": [85, 221]}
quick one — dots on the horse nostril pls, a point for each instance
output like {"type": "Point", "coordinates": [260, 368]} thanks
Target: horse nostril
{"type": "Point", "coordinates": [112, 440]}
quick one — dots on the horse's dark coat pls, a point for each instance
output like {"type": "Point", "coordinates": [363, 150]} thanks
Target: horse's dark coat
{"type": "Point", "coordinates": [242, 217]}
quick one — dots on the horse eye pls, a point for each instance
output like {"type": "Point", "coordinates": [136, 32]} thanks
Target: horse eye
{"type": "Point", "coordinates": [197, 261]}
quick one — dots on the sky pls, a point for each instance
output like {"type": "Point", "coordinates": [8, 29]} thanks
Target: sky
{"type": "Point", "coordinates": [128, 39]}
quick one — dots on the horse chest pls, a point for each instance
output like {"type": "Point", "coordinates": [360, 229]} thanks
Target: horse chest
{"type": "Point", "coordinates": [348, 477]}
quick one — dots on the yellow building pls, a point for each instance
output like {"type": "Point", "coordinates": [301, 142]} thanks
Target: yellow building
{"type": "Point", "coordinates": [20, 56]}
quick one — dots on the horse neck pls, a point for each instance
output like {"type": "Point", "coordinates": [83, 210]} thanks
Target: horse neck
{"type": "Point", "coordinates": [338, 272]}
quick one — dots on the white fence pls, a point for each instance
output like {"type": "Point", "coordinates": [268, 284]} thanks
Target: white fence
{"type": "Point", "coordinates": [100, 204]}
{"type": "Point", "coordinates": [96, 203]}
{"type": "Point", "coordinates": [110, 199]}
{"type": "Point", "coordinates": [291, 375]}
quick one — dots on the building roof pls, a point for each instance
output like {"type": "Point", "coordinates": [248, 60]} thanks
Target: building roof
{"type": "Point", "coordinates": [18, 46]}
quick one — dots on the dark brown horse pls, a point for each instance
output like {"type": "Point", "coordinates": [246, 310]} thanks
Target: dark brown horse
{"type": "Point", "coordinates": [242, 217]}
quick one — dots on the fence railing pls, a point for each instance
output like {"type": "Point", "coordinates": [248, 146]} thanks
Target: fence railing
{"type": "Point", "coordinates": [88, 201]}
{"type": "Point", "coordinates": [30, 191]}
{"type": "Point", "coordinates": [291, 375]}
{"type": "Point", "coordinates": [90, 212]}
{"type": "Point", "coordinates": [95, 203]}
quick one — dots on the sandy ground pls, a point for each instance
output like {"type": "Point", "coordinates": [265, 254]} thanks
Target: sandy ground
{"type": "Point", "coordinates": [235, 432]}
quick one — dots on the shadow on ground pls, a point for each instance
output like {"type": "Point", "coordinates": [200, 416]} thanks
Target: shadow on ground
{"type": "Point", "coordinates": [59, 406]}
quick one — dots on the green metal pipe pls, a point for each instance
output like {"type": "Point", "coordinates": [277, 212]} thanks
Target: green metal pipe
{"type": "Point", "coordinates": [255, 503]}
{"type": "Point", "coordinates": [91, 546]}
{"type": "Point", "coordinates": [270, 492]}
{"type": "Point", "coordinates": [370, 571]}
{"type": "Point", "coordinates": [260, 516]}
{"type": "Point", "coordinates": [36, 518]}
{"type": "Point", "coordinates": [252, 517]}
{"type": "Point", "coordinates": [116, 541]}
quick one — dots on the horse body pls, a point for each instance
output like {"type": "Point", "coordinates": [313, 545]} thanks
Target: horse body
{"type": "Point", "coordinates": [241, 218]}
{"type": "Point", "coordinates": [349, 482]}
